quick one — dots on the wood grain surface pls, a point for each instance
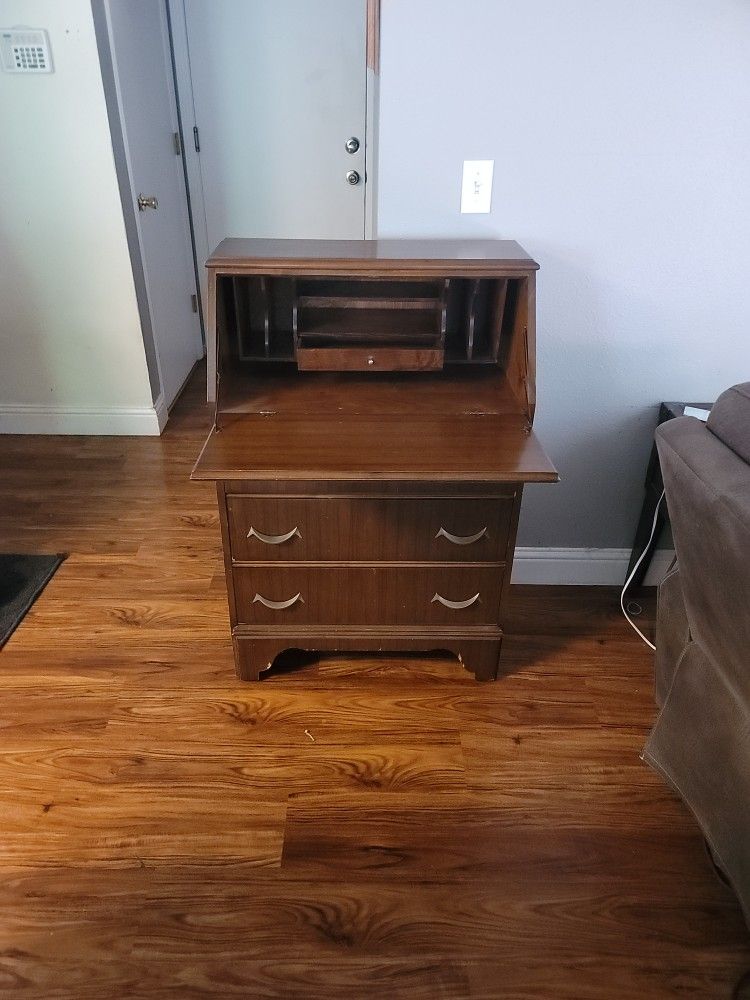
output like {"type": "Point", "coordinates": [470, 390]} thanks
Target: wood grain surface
{"type": "Point", "coordinates": [369, 529]}
{"type": "Point", "coordinates": [347, 828]}
{"type": "Point", "coordinates": [453, 391]}
{"type": "Point", "coordinates": [343, 257]}
{"type": "Point", "coordinates": [485, 447]}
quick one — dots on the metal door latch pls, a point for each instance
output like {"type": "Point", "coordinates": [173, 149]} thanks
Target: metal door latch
{"type": "Point", "coordinates": [147, 201]}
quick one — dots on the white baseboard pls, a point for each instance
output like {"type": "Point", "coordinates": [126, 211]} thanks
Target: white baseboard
{"type": "Point", "coordinates": [579, 567]}
{"type": "Point", "coordinates": [21, 418]}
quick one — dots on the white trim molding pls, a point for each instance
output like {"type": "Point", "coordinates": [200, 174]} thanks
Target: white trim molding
{"type": "Point", "coordinates": [160, 406]}
{"type": "Point", "coordinates": [26, 418]}
{"type": "Point", "coordinates": [583, 567]}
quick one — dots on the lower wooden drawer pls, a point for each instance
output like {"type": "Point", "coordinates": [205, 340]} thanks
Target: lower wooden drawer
{"type": "Point", "coordinates": [367, 595]}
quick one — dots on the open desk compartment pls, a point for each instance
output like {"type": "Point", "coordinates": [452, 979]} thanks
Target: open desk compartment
{"type": "Point", "coordinates": [358, 324]}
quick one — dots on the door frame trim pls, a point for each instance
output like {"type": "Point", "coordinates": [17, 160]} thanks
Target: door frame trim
{"type": "Point", "coordinates": [183, 87]}
{"type": "Point", "coordinates": [372, 118]}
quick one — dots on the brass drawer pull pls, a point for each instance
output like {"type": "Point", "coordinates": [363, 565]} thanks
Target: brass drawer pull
{"type": "Point", "coordinates": [278, 605]}
{"type": "Point", "coordinates": [461, 539]}
{"type": "Point", "coordinates": [273, 539]}
{"type": "Point", "coordinates": [455, 605]}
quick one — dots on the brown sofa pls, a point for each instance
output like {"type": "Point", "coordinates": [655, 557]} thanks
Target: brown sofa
{"type": "Point", "coordinates": [701, 740]}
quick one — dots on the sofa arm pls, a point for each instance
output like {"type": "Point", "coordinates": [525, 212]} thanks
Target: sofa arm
{"type": "Point", "coordinates": [672, 632]}
{"type": "Point", "coordinates": [708, 494]}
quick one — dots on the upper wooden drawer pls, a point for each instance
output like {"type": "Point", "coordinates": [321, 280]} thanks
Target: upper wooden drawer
{"type": "Point", "coordinates": [324, 529]}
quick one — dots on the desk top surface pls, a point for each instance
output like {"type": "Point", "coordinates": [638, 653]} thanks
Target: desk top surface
{"type": "Point", "coordinates": [432, 255]}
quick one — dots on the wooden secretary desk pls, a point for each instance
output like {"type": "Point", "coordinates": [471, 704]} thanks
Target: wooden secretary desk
{"type": "Point", "coordinates": [373, 432]}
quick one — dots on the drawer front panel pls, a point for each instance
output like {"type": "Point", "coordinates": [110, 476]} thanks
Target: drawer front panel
{"type": "Point", "coordinates": [367, 595]}
{"type": "Point", "coordinates": [322, 529]}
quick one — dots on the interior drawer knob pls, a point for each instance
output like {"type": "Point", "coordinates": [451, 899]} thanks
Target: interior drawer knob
{"type": "Point", "coordinates": [273, 539]}
{"type": "Point", "coordinates": [279, 605]}
{"type": "Point", "coordinates": [461, 539]}
{"type": "Point", "coordinates": [455, 605]}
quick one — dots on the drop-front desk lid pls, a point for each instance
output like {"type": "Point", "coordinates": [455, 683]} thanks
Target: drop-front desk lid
{"type": "Point", "coordinates": [496, 448]}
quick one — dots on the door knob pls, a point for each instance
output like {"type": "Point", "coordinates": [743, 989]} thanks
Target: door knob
{"type": "Point", "coordinates": [352, 145]}
{"type": "Point", "coordinates": [353, 177]}
{"type": "Point", "coordinates": [147, 201]}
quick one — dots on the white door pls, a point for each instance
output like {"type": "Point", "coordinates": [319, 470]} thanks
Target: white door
{"type": "Point", "coordinates": [278, 89]}
{"type": "Point", "coordinates": [139, 44]}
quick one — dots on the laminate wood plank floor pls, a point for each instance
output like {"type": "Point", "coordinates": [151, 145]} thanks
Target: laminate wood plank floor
{"type": "Point", "coordinates": [348, 827]}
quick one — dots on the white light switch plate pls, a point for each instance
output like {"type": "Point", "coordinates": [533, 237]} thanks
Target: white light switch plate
{"type": "Point", "coordinates": [476, 186]}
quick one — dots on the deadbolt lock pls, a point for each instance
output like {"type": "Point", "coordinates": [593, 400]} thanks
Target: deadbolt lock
{"type": "Point", "coordinates": [352, 145]}
{"type": "Point", "coordinates": [353, 177]}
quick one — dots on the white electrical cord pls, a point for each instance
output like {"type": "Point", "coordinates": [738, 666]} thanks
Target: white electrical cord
{"type": "Point", "coordinates": [634, 571]}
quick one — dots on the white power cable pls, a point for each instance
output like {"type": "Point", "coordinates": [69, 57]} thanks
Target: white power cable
{"type": "Point", "coordinates": [635, 570]}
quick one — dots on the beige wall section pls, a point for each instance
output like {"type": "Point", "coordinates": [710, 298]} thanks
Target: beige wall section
{"type": "Point", "coordinates": [73, 359]}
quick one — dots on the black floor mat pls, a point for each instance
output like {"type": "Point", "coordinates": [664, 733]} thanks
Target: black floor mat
{"type": "Point", "coordinates": [22, 579]}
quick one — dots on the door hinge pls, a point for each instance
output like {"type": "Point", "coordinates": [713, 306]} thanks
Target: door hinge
{"type": "Point", "coordinates": [177, 144]}
{"type": "Point", "coordinates": [196, 139]}
{"type": "Point", "coordinates": [194, 303]}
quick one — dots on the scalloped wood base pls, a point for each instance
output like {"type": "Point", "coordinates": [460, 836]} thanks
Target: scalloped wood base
{"type": "Point", "coordinates": [255, 653]}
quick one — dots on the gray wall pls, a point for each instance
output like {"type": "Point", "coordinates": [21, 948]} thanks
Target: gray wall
{"type": "Point", "coordinates": [620, 132]}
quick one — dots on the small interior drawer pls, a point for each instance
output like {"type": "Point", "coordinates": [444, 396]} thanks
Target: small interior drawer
{"type": "Point", "coordinates": [373, 358]}
{"type": "Point", "coordinates": [367, 595]}
{"type": "Point", "coordinates": [324, 529]}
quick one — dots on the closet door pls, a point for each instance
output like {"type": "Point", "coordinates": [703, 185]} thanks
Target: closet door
{"type": "Point", "coordinates": [138, 41]}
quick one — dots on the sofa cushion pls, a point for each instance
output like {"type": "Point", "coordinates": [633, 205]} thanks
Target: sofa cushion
{"type": "Point", "coordinates": [730, 419]}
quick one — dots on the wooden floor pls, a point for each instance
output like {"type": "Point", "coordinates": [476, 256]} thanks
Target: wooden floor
{"type": "Point", "coordinates": [352, 829]}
